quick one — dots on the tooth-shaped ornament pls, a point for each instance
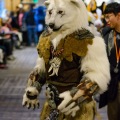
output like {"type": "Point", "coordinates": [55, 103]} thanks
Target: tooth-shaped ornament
{"type": "Point", "coordinates": [54, 66]}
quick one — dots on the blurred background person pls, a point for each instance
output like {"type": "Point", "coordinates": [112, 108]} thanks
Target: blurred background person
{"type": "Point", "coordinates": [6, 40]}
{"type": "Point", "coordinates": [40, 13]}
{"type": "Point", "coordinates": [31, 26]}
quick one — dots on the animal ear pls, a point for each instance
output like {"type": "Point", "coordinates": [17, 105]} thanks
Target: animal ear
{"type": "Point", "coordinates": [76, 2]}
{"type": "Point", "coordinates": [46, 3]}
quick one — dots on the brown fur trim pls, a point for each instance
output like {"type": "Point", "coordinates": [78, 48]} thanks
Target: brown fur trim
{"type": "Point", "coordinates": [43, 47]}
{"type": "Point", "coordinates": [70, 44]}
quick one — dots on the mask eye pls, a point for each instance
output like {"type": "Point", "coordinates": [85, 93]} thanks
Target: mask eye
{"type": "Point", "coordinates": [60, 12]}
{"type": "Point", "coordinates": [50, 12]}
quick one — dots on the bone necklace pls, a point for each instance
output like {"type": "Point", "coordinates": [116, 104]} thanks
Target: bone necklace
{"type": "Point", "coordinates": [55, 61]}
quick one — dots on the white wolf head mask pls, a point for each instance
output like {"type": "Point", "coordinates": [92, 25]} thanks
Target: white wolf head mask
{"type": "Point", "coordinates": [66, 15]}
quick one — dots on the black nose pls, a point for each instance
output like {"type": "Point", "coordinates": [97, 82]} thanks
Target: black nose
{"type": "Point", "coordinates": [51, 25]}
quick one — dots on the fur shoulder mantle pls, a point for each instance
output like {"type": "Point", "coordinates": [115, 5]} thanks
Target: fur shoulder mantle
{"type": "Point", "coordinates": [76, 43]}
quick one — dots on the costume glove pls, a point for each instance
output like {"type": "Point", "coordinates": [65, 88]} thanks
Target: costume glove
{"type": "Point", "coordinates": [30, 98]}
{"type": "Point", "coordinates": [74, 98]}
{"type": "Point", "coordinates": [32, 91]}
{"type": "Point", "coordinates": [68, 105]}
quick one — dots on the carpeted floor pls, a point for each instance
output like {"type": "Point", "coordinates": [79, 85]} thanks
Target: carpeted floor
{"type": "Point", "coordinates": [12, 85]}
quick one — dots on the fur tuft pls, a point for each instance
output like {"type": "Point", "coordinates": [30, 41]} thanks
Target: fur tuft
{"type": "Point", "coordinates": [67, 97]}
{"type": "Point", "coordinates": [96, 65]}
{"type": "Point", "coordinates": [40, 65]}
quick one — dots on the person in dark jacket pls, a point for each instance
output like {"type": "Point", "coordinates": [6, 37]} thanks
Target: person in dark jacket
{"type": "Point", "coordinates": [111, 35]}
{"type": "Point", "coordinates": [31, 26]}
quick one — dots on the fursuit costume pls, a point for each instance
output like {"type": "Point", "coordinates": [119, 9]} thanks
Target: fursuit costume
{"type": "Point", "coordinates": [73, 70]}
{"type": "Point", "coordinates": [64, 77]}
{"type": "Point", "coordinates": [63, 72]}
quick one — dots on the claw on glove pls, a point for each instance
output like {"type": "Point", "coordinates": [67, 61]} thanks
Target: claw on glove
{"type": "Point", "coordinates": [68, 105]}
{"type": "Point", "coordinates": [30, 98]}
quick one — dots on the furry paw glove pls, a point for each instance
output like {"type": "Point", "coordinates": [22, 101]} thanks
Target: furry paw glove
{"type": "Point", "coordinates": [32, 91]}
{"type": "Point", "coordinates": [30, 98]}
{"type": "Point", "coordinates": [68, 105]}
{"type": "Point", "coordinates": [74, 98]}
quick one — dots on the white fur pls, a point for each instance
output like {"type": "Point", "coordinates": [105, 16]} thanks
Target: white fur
{"type": "Point", "coordinates": [70, 109]}
{"type": "Point", "coordinates": [33, 90]}
{"type": "Point", "coordinates": [95, 64]}
{"type": "Point", "coordinates": [67, 97]}
{"type": "Point", "coordinates": [35, 102]}
{"type": "Point", "coordinates": [40, 65]}
{"type": "Point", "coordinates": [75, 17]}
{"type": "Point", "coordinates": [94, 31]}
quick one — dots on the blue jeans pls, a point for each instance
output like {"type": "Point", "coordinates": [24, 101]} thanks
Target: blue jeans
{"type": "Point", "coordinates": [32, 35]}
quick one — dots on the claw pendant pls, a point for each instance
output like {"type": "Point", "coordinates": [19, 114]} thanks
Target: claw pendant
{"type": "Point", "coordinates": [54, 66]}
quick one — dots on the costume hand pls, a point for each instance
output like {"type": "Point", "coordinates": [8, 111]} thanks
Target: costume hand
{"type": "Point", "coordinates": [30, 98]}
{"type": "Point", "coordinates": [74, 98]}
{"type": "Point", "coordinates": [68, 105]}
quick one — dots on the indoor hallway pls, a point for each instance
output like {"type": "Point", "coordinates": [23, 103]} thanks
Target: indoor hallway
{"type": "Point", "coordinates": [12, 84]}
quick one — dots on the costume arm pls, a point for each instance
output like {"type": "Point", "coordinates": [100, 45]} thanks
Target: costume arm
{"type": "Point", "coordinates": [38, 73]}
{"type": "Point", "coordinates": [96, 69]}
{"type": "Point", "coordinates": [37, 76]}
{"type": "Point", "coordinates": [95, 64]}
{"type": "Point", "coordinates": [96, 77]}
{"type": "Point", "coordinates": [34, 85]}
